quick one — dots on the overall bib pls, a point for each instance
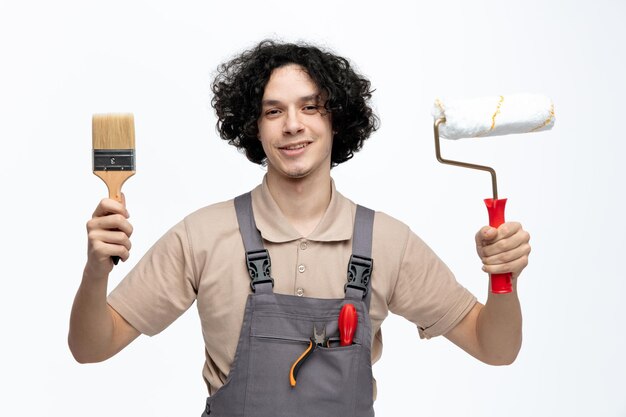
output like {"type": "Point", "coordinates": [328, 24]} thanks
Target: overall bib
{"type": "Point", "coordinates": [277, 329]}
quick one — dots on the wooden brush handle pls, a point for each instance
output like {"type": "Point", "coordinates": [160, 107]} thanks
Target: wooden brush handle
{"type": "Point", "coordinates": [114, 181]}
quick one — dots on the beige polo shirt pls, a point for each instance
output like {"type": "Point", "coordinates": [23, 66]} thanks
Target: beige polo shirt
{"type": "Point", "coordinates": [202, 259]}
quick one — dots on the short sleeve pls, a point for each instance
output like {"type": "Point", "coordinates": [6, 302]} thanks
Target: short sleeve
{"type": "Point", "coordinates": [426, 291]}
{"type": "Point", "coordinates": [160, 287]}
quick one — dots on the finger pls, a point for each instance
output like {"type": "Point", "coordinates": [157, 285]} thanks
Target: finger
{"type": "Point", "coordinates": [504, 245]}
{"type": "Point", "coordinates": [105, 251]}
{"type": "Point", "coordinates": [489, 234]}
{"type": "Point", "coordinates": [508, 256]}
{"type": "Point", "coordinates": [110, 222]}
{"type": "Point", "coordinates": [508, 229]}
{"type": "Point", "coordinates": [110, 237]}
{"type": "Point", "coordinates": [110, 206]}
{"type": "Point", "coordinates": [485, 234]}
{"type": "Point", "coordinates": [514, 267]}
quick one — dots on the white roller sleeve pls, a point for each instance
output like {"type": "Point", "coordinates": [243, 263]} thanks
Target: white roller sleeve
{"type": "Point", "coordinates": [493, 116]}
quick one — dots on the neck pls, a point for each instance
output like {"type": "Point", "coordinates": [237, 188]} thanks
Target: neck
{"type": "Point", "coordinates": [303, 201]}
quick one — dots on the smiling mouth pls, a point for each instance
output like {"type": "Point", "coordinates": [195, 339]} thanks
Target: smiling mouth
{"type": "Point", "coordinates": [295, 147]}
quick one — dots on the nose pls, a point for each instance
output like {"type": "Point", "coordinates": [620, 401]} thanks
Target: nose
{"type": "Point", "coordinates": [293, 124]}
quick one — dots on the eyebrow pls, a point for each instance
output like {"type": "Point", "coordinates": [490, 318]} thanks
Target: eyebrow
{"type": "Point", "coordinates": [310, 97]}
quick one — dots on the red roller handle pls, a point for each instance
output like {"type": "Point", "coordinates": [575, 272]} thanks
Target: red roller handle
{"type": "Point", "coordinates": [500, 283]}
{"type": "Point", "coordinates": [347, 324]}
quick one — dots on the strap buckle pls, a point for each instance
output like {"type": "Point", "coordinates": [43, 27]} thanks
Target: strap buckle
{"type": "Point", "coordinates": [359, 271]}
{"type": "Point", "coordinates": [259, 267]}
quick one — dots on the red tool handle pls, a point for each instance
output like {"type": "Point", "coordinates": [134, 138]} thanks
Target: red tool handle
{"type": "Point", "coordinates": [347, 324]}
{"type": "Point", "coordinates": [500, 283]}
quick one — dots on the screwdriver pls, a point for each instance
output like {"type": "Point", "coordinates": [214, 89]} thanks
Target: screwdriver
{"type": "Point", "coordinates": [347, 324]}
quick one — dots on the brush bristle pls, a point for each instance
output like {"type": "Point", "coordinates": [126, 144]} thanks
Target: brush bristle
{"type": "Point", "coordinates": [113, 131]}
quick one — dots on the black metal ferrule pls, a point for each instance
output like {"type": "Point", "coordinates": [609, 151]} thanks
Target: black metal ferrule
{"type": "Point", "coordinates": [259, 267]}
{"type": "Point", "coordinates": [113, 159]}
{"type": "Point", "coordinates": [359, 271]}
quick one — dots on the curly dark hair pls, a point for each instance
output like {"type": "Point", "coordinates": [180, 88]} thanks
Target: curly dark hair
{"type": "Point", "coordinates": [240, 83]}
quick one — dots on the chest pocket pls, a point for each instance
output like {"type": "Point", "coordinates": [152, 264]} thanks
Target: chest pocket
{"type": "Point", "coordinates": [330, 379]}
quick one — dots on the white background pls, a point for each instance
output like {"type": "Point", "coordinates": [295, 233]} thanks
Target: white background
{"type": "Point", "coordinates": [63, 61]}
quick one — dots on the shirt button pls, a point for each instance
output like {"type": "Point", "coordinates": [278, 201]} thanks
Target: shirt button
{"type": "Point", "coordinates": [303, 245]}
{"type": "Point", "coordinates": [299, 292]}
{"type": "Point", "coordinates": [301, 268]}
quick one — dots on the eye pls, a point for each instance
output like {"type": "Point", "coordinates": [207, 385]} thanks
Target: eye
{"type": "Point", "coordinates": [311, 108]}
{"type": "Point", "coordinates": [272, 112]}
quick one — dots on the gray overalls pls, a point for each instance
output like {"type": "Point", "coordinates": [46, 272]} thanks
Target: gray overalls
{"type": "Point", "coordinates": [334, 381]}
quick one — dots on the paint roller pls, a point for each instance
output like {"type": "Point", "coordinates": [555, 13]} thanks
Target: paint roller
{"type": "Point", "coordinates": [491, 116]}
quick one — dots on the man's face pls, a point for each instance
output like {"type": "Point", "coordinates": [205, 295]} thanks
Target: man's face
{"type": "Point", "coordinates": [294, 129]}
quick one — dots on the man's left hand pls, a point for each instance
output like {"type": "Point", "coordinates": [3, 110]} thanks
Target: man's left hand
{"type": "Point", "coordinates": [504, 249]}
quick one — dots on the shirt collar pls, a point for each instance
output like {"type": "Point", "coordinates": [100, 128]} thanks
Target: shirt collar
{"type": "Point", "coordinates": [336, 223]}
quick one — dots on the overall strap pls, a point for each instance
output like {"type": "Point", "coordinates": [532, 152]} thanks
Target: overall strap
{"type": "Point", "coordinates": [257, 257]}
{"type": "Point", "coordinates": [360, 265]}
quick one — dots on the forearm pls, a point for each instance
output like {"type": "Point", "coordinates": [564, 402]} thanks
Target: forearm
{"type": "Point", "coordinates": [91, 325]}
{"type": "Point", "coordinates": [499, 328]}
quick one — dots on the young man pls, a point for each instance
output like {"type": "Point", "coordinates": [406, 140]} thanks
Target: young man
{"type": "Point", "coordinates": [300, 111]}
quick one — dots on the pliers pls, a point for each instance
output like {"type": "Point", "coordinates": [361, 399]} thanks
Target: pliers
{"type": "Point", "coordinates": [319, 339]}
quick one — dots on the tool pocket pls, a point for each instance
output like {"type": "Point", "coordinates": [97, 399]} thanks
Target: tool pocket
{"type": "Point", "coordinates": [326, 382]}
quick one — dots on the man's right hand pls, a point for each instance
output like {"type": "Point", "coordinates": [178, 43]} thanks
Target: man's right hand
{"type": "Point", "coordinates": [97, 331]}
{"type": "Point", "coordinates": [108, 233]}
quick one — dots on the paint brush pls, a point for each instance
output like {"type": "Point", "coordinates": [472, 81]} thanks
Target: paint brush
{"type": "Point", "coordinates": [113, 138]}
